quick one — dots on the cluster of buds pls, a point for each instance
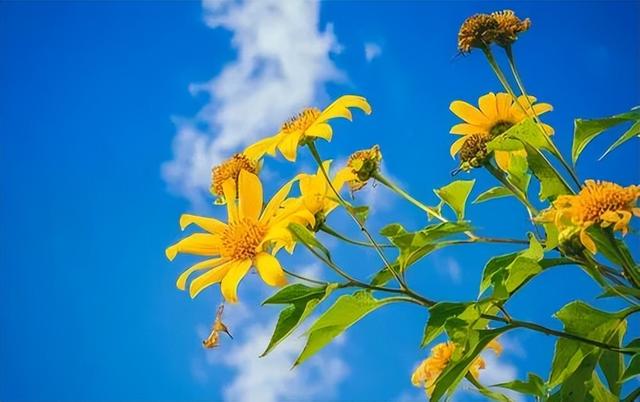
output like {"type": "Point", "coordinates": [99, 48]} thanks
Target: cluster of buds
{"type": "Point", "coordinates": [230, 169]}
{"type": "Point", "coordinates": [481, 30]}
{"type": "Point", "coordinates": [473, 153]}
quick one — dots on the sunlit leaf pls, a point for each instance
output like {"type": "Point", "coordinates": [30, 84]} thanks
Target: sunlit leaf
{"type": "Point", "coordinates": [306, 237]}
{"type": "Point", "coordinates": [493, 193]}
{"type": "Point", "coordinates": [455, 195]}
{"type": "Point", "coordinates": [633, 369]}
{"type": "Point", "coordinates": [533, 386]}
{"type": "Point", "coordinates": [612, 363]}
{"type": "Point", "coordinates": [438, 315]}
{"type": "Point", "coordinates": [633, 131]}
{"type": "Point", "coordinates": [551, 182]}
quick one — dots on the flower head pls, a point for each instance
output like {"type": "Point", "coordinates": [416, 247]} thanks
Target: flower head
{"type": "Point", "coordinates": [316, 194]}
{"type": "Point", "coordinates": [230, 169]}
{"type": "Point", "coordinates": [600, 203]}
{"type": "Point", "coordinates": [361, 166]}
{"type": "Point", "coordinates": [477, 31]}
{"type": "Point", "coordinates": [509, 26]}
{"type": "Point", "coordinates": [473, 152]}
{"type": "Point", "coordinates": [309, 124]}
{"type": "Point", "coordinates": [426, 374]}
{"type": "Point", "coordinates": [495, 115]}
{"type": "Point", "coordinates": [250, 238]}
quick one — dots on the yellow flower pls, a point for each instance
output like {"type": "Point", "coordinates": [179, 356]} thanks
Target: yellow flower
{"type": "Point", "coordinates": [497, 113]}
{"type": "Point", "coordinates": [426, 374]}
{"type": "Point", "coordinates": [316, 194]}
{"type": "Point", "coordinates": [230, 169]}
{"type": "Point", "coordinates": [241, 243]}
{"type": "Point", "coordinates": [599, 203]}
{"type": "Point", "coordinates": [361, 166]}
{"type": "Point", "coordinates": [310, 123]}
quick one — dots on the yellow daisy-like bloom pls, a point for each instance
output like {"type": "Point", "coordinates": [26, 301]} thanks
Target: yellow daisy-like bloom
{"type": "Point", "coordinates": [361, 166]}
{"type": "Point", "coordinates": [243, 242]}
{"type": "Point", "coordinates": [509, 26]}
{"type": "Point", "coordinates": [599, 203]}
{"type": "Point", "coordinates": [316, 194]}
{"type": "Point", "coordinates": [309, 124]}
{"type": "Point", "coordinates": [230, 169]}
{"type": "Point", "coordinates": [426, 374]}
{"type": "Point", "coordinates": [496, 114]}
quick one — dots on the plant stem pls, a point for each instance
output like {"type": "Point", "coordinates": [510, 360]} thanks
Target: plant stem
{"type": "Point", "coordinates": [516, 75]}
{"type": "Point", "coordinates": [317, 282]}
{"type": "Point", "coordinates": [499, 175]}
{"type": "Point", "coordinates": [342, 237]}
{"type": "Point", "coordinates": [561, 334]}
{"type": "Point", "coordinates": [318, 159]}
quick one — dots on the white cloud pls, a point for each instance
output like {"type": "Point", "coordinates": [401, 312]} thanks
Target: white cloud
{"type": "Point", "coordinates": [371, 51]}
{"type": "Point", "coordinates": [283, 61]}
{"type": "Point", "coordinates": [270, 379]}
{"type": "Point", "coordinates": [450, 268]}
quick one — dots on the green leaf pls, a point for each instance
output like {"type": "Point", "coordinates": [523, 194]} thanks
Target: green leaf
{"type": "Point", "coordinates": [633, 131]}
{"type": "Point", "coordinates": [551, 182]}
{"type": "Point", "coordinates": [295, 293]}
{"type": "Point", "coordinates": [303, 300]}
{"type": "Point", "coordinates": [518, 172]}
{"type": "Point", "coordinates": [633, 369]}
{"type": "Point", "coordinates": [617, 290]}
{"type": "Point", "coordinates": [438, 315]}
{"type": "Point", "coordinates": [493, 193]}
{"type": "Point", "coordinates": [306, 237]}
{"type": "Point", "coordinates": [598, 392]}
{"type": "Point", "coordinates": [533, 386]}
{"type": "Point", "coordinates": [345, 312]}
{"type": "Point", "coordinates": [360, 212]}
{"type": "Point", "coordinates": [493, 266]}
{"type": "Point", "coordinates": [612, 363]}
{"type": "Point", "coordinates": [495, 396]}
{"type": "Point", "coordinates": [459, 365]}
{"type": "Point", "coordinates": [530, 133]}
{"type": "Point", "coordinates": [586, 130]}
{"type": "Point", "coordinates": [455, 195]}
{"type": "Point", "coordinates": [581, 319]}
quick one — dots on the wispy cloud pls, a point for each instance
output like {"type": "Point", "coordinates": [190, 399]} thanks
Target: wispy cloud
{"type": "Point", "coordinates": [449, 268]}
{"type": "Point", "coordinates": [283, 61]}
{"type": "Point", "coordinates": [372, 51]}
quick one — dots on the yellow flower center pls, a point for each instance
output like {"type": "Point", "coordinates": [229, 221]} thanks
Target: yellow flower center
{"type": "Point", "coordinates": [240, 240]}
{"type": "Point", "coordinates": [302, 121]}
{"type": "Point", "coordinates": [230, 169]}
{"type": "Point", "coordinates": [474, 150]}
{"type": "Point", "coordinates": [597, 198]}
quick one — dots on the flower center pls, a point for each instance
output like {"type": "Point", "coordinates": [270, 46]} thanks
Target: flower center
{"type": "Point", "coordinates": [240, 240]}
{"type": "Point", "coordinates": [230, 169]}
{"type": "Point", "coordinates": [474, 150]}
{"type": "Point", "coordinates": [499, 128]}
{"type": "Point", "coordinates": [302, 121]}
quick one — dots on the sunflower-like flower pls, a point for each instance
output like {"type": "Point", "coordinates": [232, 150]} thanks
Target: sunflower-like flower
{"type": "Point", "coordinates": [316, 194]}
{"type": "Point", "coordinates": [477, 31]}
{"type": "Point", "coordinates": [309, 124]}
{"type": "Point", "coordinates": [509, 26]}
{"type": "Point", "coordinates": [496, 114]}
{"type": "Point", "coordinates": [230, 169]}
{"type": "Point", "coordinates": [426, 374]}
{"type": "Point", "coordinates": [599, 203]}
{"type": "Point", "coordinates": [244, 241]}
{"type": "Point", "coordinates": [361, 166]}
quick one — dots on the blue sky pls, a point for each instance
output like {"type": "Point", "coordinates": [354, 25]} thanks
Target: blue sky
{"type": "Point", "coordinates": [103, 105]}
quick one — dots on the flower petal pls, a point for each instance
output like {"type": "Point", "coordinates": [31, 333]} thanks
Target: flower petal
{"type": "Point", "coordinates": [206, 264]}
{"type": "Point", "coordinates": [340, 107]}
{"type": "Point", "coordinates": [269, 269]}
{"type": "Point", "coordinates": [503, 103]}
{"type": "Point", "coordinates": [322, 130]}
{"type": "Point", "coordinates": [468, 113]}
{"type": "Point", "coordinates": [289, 146]}
{"type": "Point", "coordinates": [467, 129]}
{"type": "Point", "coordinates": [211, 225]}
{"type": "Point", "coordinates": [503, 159]}
{"type": "Point", "coordinates": [250, 195]}
{"type": "Point", "coordinates": [229, 191]}
{"type": "Point", "coordinates": [197, 243]}
{"type": "Point", "coordinates": [230, 282]}
{"type": "Point", "coordinates": [207, 279]}
{"type": "Point", "coordinates": [488, 106]}
{"type": "Point", "coordinates": [587, 241]}
{"type": "Point", "coordinates": [457, 145]}
{"type": "Point", "coordinates": [264, 146]}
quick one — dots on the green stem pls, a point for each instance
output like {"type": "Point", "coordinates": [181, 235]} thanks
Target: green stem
{"type": "Point", "coordinates": [519, 82]}
{"type": "Point", "coordinates": [304, 278]}
{"type": "Point", "coordinates": [499, 175]}
{"type": "Point", "coordinates": [328, 230]}
{"type": "Point", "coordinates": [561, 334]}
{"type": "Point", "coordinates": [318, 159]}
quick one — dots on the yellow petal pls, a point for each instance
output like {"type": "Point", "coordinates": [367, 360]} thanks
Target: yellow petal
{"type": "Point", "coordinates": [270, 270]}
{"type": "Point", "coordinates": [206, 264]}
{"type": "Point", "coordinates": [503, 159]}
{"type": "Point", "coordinates": [229, 191]}
{"type": "Point", "coordinates": [258, 149]}
{"type": "Point", "coordinates": [197, 243]}
{"type": "Point", "coordinates": [250, 197]}
{"type": "Point", "coordinates": [503, 102]}
{"type": "Point", "coordinates": [230, 282]}
{"type": "Point", "coordinates": [274, 204]}
{"type": "Point", "coordinates": [339, 108]}
{"type": "Point", "coordinates": [209, 278]}
{"type": "Point", "coordinates": [344, 175]}
{"type": "Point", "coordinates": [587, 241]}
{"type": "Point", "coordinates": [467, 129]}
{"type": "Point", "coordinates": [541, 108]}
{"type": "Point", "coordinates": [548, 129]}
{"type": "Point", "coordinates": [468, 113]}
{"type": "Point", "coordinates": [211, 225]}
{"type": "Point", "coordinates": [289, 146]}
{"type": "Point", "coordinates": [322, 130]}
{"type": "Point", "coordinates": [488, 105]}
{"type": "Point", "coordinates": [456, 146]}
